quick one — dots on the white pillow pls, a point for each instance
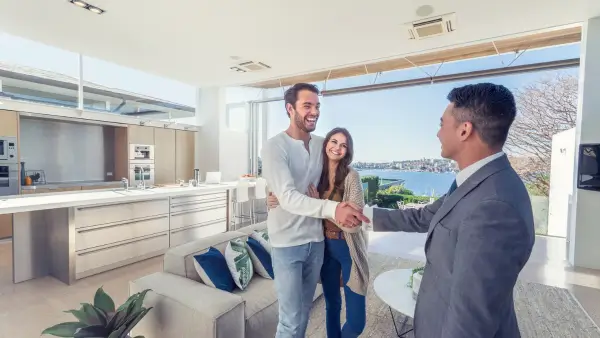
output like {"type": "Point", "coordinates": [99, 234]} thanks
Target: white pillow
{"type": "Point", "coordinates": [262, 236]}
{"type": "Point", "coordinates": [239, 263]}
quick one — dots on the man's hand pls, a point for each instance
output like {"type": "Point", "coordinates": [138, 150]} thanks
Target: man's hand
{"type": "Point", "coordinates": [349, 215]}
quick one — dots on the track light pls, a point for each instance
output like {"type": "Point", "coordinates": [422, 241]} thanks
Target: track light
{"type": "Point", "coordinates": [85, 5]}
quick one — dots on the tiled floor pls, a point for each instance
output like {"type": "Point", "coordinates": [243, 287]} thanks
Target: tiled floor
{"type": "Point", "coordinates": [27, 308]}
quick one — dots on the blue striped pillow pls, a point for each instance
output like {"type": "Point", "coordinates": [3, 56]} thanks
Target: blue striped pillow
{"type": "Point", "coordinates": [213, 270]}
{"type": "Point", "coordinates": [261, 259]}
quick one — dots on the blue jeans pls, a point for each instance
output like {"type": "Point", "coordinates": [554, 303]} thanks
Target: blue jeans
{"type": "Point", "coordinates": [296, 271]}
{"type": "Point", "coordinates": [337, 261]}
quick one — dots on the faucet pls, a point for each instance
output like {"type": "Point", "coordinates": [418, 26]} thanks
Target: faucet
{"type": "Point", "coordinates": [141, 171]}
{"type": "Point", "coordinates": [125, 183]}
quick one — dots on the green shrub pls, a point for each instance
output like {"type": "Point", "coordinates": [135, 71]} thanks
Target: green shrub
{"type": "Point", "coordinates": [372, 186]}
{"type": "Point", "coordinates": [398, 189]}
{"type": "Point", "coordinates": [385, 200]}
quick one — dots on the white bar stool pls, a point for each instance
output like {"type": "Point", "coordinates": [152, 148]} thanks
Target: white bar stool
{"type": "Point", "coordinates": [260, 193]}
{"type": "Point", "coordinates": [240, 199]}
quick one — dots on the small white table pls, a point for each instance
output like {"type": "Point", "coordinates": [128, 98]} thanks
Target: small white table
{"type": "Point", "coordinates": [391, 288]}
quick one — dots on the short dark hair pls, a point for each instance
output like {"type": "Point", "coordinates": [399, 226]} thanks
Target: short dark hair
{"type": "Point", "coordinates": [489, 107]}
{"type": "Point", "coordinates": [291, 94]}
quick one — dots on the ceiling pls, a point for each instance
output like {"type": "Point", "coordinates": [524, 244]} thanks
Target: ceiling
{"type": "Point", "coordinates": [193, 41]}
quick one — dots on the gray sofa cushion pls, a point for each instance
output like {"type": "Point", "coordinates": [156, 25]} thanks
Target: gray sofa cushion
{"type": "Point", "coordinates": [180, 260]}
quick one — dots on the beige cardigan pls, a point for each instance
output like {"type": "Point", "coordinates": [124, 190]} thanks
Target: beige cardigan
{"type": "Point", "coordinates": [357, 240]}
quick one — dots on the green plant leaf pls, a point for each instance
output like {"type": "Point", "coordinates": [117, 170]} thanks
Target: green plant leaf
{"type": "Point", "coordinates": [64, 329]}
{"type": "Point", "coordinates": [134, 320]}
{"type": "Point", "coordinates": [118, 333]}
{"type": "Point", "coordinates": [139, 301]}
{"type": "Point", "coordinates": [139, 337]}
{"type": "Point", "coordinates": [103, 301]}
{"type": "Point", "coordinates": [115, 319]}
{"type": "Point", "coordinates": [95, 331]}
{"type": "Point", "coordinates": [94, 315]}
{"type": "Point", "coordinates": [80, 315]}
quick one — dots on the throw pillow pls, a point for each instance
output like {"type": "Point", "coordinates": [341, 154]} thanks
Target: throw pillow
{"type": "Point", "coordinates": [239, 263]}
{"type": "Point", "coordinates": [213, 270]}
{"type": "Point", "coordinates": [261, 259]}
{"type": "Point", "coordinates": [262, 237]}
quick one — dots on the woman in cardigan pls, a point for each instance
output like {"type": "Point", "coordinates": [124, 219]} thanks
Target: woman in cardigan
{"type": "Point", "coordinates": [345, 263]}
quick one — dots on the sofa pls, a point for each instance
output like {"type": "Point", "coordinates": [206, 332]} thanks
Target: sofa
{"type": "Point", "coordinates": [184, 307]}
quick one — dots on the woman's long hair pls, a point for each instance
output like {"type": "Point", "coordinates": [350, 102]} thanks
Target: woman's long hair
{"type": "Point", "coordinates": [343, 167]}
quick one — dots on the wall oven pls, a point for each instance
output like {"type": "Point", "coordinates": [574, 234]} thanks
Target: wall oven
{"type": "Point", "coordinates": [8, 149]}
{"type": "Point", "coordinates": [9, 179]}
{"type": "Point", "coordinates": [141, 153]}
{"type": "Point", "coordinates": [139, 172]}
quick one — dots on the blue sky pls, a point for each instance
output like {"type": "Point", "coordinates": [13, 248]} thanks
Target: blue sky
{"type": "Point", "coordinates": [396, 124]}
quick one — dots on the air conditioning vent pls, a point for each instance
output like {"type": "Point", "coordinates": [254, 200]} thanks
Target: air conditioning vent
{"type": "Point", "coordinates": [249, 66]}
{"type": "Point", "coordinates": [431, 27]}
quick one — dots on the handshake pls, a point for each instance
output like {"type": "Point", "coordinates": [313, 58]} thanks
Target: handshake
{"type": "Point", "coordinates": [347, 214]}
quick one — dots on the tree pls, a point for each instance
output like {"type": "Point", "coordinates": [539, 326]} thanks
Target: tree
{"type": "Point", "coordinates": [545, 108]}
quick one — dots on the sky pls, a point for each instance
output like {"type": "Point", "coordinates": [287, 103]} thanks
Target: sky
{"type": "Point", "coordinates": [386, 125]}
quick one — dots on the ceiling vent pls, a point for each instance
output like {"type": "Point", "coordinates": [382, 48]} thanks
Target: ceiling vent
{"type": "Point", "coordinates": [249, 66]}
{"type": "Point", "coordinates": [432, 27]}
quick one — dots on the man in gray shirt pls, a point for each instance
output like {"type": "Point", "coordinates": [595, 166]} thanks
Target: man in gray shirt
{"type": "Point", "coordinates": [292, 160]}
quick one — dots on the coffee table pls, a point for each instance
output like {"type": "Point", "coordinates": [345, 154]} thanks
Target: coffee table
{"type": "Point", "coordinates": [391, 288]}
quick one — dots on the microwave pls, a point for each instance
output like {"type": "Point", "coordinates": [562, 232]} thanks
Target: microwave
{"type": "Point", "coordinates": [8, 149]}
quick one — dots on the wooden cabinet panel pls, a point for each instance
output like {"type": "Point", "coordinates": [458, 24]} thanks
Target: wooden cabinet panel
{"type": "Point", "coordinates": [164, 156]}
{"type": "Point", "coordinates": [9, 125]}
{"type": "Point", "coordinates": [6, 222]}
{"type": "Point", "coordinates": [184, 154]}
{"type": "Point", "coordinates": [140, 134]}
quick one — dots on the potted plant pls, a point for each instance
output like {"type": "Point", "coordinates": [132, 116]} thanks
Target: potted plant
{"type": "Point", "coordinates": [101, 319]}
{"type": "Point", "coordinates": [415, 280]}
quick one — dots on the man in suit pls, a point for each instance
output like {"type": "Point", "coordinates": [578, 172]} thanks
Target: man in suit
{"type": "Point", "coordinates": [480, 234]}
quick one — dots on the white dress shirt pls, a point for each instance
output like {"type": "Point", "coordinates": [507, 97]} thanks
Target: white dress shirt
{"type": "Point", "coordinates": [461, 177]}
{"type": "Point", "coordinates": [289, 169]}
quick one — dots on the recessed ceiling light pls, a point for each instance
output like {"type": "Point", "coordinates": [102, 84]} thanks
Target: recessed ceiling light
{"type": "Point", "coordinates": [85, 5]}
{"type": "Point", "coordinates": [79, 3]}
{"type": "Point", "coordinates": [95, 10]}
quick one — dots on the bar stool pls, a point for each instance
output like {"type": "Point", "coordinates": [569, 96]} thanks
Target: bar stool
{"type": "Point", "coordinates": [241, 197]}
{"type": "Point", "coordinates": [260, 193]}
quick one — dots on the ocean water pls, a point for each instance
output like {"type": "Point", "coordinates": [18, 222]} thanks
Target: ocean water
{"type": "Point", "coordinates": [421, 183]}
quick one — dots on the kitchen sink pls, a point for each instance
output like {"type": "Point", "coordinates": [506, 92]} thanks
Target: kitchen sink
{"type": "Point", "coordinates": [134, 192]}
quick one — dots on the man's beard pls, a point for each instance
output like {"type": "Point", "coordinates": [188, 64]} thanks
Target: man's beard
{"type": "Point", "coordinates": [300, 124]}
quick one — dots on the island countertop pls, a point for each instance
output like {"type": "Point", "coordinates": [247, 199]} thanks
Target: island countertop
{"type": "Point", "coordinates": [36, 202]}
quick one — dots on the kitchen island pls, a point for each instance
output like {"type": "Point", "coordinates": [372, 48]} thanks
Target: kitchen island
{"type": "Point", "coordinates": [73, 235]}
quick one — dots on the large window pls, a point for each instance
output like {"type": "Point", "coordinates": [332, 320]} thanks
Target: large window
{"type": "Point", "coordinates": [34, 72]}
{"type": "Point", "coordinates": [395, 130]}
{"type": "Point", "coordinates": [120, 90]}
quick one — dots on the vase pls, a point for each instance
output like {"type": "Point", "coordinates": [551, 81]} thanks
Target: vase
{"type": "Point", "coordinates": [417, 276]}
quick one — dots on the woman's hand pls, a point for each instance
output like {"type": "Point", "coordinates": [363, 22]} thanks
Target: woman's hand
{"type": "Point", "coordinates": [272, 201]}
{"type": "Point", "coordinates": [312, 192]}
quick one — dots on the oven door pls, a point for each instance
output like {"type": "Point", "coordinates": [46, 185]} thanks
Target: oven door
{"type": "Point", "coordinates": [3, 149]}
{"type": "Point", "coordinates": [139, 171]}
{"type": "Point", "coordinates": [9, 179]}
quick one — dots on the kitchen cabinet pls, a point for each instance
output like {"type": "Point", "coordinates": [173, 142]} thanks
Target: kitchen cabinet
{"type": "Point", "coordinates": [6, 223]}
{"type": "Point", "coordinates": [9, 123]}
{"type": "Point", "coordinates": [184, 154]}
{"type": "Point", "coordinates": [140, 135]}
{"type": "Point", "coordinates": [164, 156]}
{"type": "Point", "coordinates": [197, 216]}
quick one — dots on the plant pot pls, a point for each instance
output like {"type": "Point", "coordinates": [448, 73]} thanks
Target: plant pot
{"type": "Point", "coordinates": [417, 277]}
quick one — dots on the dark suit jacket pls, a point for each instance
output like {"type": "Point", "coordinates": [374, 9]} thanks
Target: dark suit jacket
{"type": "Point", "coordinates": [479, 239]}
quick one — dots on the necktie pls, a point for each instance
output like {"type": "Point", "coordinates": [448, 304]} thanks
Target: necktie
{"type": "Point", "coordinates": [452, 188]}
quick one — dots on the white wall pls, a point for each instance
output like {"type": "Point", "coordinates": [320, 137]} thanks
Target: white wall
{"type": "Point", "coordinates": [561, 181]}
{"type": "Point", "coordinates": [584, 232]}
{"type": "Point", "coordinates": [217, 146]}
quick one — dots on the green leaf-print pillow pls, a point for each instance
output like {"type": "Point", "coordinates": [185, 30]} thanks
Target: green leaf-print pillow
{"type": "Point", "coordinates": [239, 263]}
{"type": "Point", "coordinates": [262, 236]}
